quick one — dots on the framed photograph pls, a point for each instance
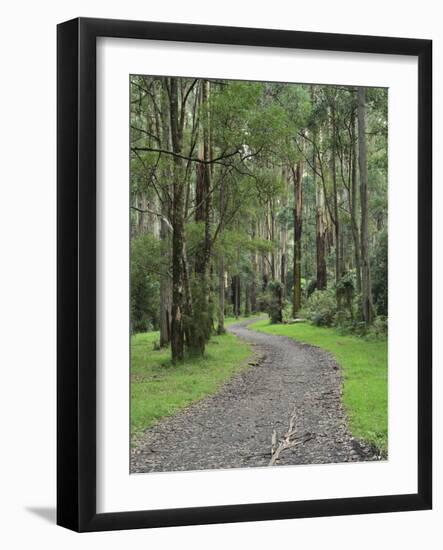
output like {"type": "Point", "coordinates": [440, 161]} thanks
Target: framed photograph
{"type": "Point", "coordinates": [244, 274]}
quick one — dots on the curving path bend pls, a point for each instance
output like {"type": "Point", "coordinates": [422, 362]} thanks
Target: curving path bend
{"type": "Point", "coordinates": [234, 428]}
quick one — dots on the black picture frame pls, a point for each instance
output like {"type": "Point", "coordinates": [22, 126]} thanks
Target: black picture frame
{"type": "Point", "coordinates": [76, 280]}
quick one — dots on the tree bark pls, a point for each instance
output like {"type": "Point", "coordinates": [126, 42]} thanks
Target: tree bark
{"type": "Point", "coordinates": [165, 290]}
{"type": "Point", "coordinates": [272, 238]}
{"type": "Point", "coordinates": [247, 299]}
{"type": "Point", "coordinates": [338, 263]}
{"type": "Point", "coordinates": [178, 233]}
{"type": "Point", "coordinates": [284, 236]}
{"type": "Point", "coordinates": [353, 207]}
{"type": "Point", "coordinates": [367, 307]}
{"type": "Point", "coordinates": [203, 214]}
{"type": "Point", "coordinates": [254, 273]}
{"type": "Point", "coordinates": [221, 297]}
{"type": "Point", "coordinates": [298, 204]}
{"type": "Point", "coordinates": [165, 235]}
{"type": "Point", "coordinates": [320, 230]}
{"type": "Point", "coordinates": [221, 270]}
{"type": "Point", "coordinates": [236, 298]}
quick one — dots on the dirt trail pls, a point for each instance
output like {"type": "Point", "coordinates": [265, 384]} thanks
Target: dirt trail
{"type": "Point", "coordinates": [292, 384]}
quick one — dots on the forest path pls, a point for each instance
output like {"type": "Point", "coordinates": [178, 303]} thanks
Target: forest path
{"type": "Point", "coordinates": [293, 388]}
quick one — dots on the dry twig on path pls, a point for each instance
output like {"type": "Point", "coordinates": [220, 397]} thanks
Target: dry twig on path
{"type": "Point", "coordinates": [289, 440]}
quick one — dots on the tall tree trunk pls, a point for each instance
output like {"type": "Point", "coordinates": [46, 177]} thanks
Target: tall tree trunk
{"type": "Point", "coordinates": [233, 293]}
{"type": "Point", "coordinates": [283, 263]}
{"type": "Point", "coordinates": [165, 236]}
{"type": "Point", "coordinates": [221, 297]}
{"type": "Point", "coordinates": [298, 204]}
{"type": "Point", "coordinates": [177, 270]}
{"type": "Point", "coordinates": [189, 326]}
{"type": "Point", "coordinates": [202, 187]}
{"type": "Point", "coordinates": [338, 262]}
{"type": "Point", "coordinates": [247, 299]}
{"type": "Point", "coordinates": [221, 270]}
{"type": "Point", "coordinates": [367, 307]}
{"type": "Point", "coordinates": [178, 233]}
{"type": "Point", "coordinates": [254, 273]}
{"type": "Point", "coordinates": [353, 206]}
{"type": "Point", "coordinates": [272, 238]}
{"type": "Point", "coordinates": [203, 213]}
{"type": "Point", "coordinates": [236, 298]}
{"type": "Point", "coordinates": [165, 289]}
{"type": "Point", "coordinates": [279, 297]}
{"type": "Point", "coordinates": [320, 230]}
{"type": "Point", "coordinates": [284, 235]}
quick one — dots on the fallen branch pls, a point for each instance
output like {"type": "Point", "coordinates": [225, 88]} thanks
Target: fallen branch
{"type": "Point", "coordinates": [288, 441]}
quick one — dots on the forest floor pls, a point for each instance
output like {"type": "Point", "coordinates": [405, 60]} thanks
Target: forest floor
{"type": "Point", "coordinates": [290, 397]}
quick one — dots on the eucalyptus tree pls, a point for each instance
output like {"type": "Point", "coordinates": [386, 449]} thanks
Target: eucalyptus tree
{"type": "Point", "coordinates": [242, 192]}
{"type": "Point", "coordinates": [366, 290]}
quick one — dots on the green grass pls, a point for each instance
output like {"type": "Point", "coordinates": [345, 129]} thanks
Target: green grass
{"type": "Point", "coordinates": [365, 375]}
{"type": "Point", "coordinates": [159, 388]}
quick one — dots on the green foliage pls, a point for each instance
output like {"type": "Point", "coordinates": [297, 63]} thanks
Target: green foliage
{"type": "Point", "coordinates": [378, 330]}
{"type": "Point", "coordinates": [259, 131]}
{"type": "Point", "coordinates": [365, 375]}
{"type": "Point", "coordinates": [380, 275]}
{"type": "Point", "coordinates": [321, 308]}
{"type": "Point", "coordinates": [145, 285]}
{"type": "Point", "coordinates": [346, 293]}
{"type": "Point", "coordinates": [311, 287]}
{"type": "Point", "coordinates": [229, 311]}
{"type": "Point", "coordinates": [198, 327]}
{"type": "Point", "coordinates": [272, 301]}
{"type": "Point", "coordinates": [236, 247]}
{"type": "Point", "coordinates": [346, 285]}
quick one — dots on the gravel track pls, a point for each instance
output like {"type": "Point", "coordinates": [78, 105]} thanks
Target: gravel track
{"type": "Point", "coordinates": [234, 427]}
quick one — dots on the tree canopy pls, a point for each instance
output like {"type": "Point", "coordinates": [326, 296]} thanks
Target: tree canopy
{"type": "Point", "coordinates": [255, 196]}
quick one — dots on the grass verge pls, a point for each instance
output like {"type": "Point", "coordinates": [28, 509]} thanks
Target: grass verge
{"type": "Point", "coordinates": [159, 388]}
{"type": "Point", "coordinates": [365, 375]}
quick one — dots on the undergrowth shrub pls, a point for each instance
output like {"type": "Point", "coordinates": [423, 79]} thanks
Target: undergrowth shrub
{"type": "Point", "coordinates": [321, 308]}
{"type": "Point", "coordinates": [379, 328]}
{"type": "Point", "coordinates": [272, 301]}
